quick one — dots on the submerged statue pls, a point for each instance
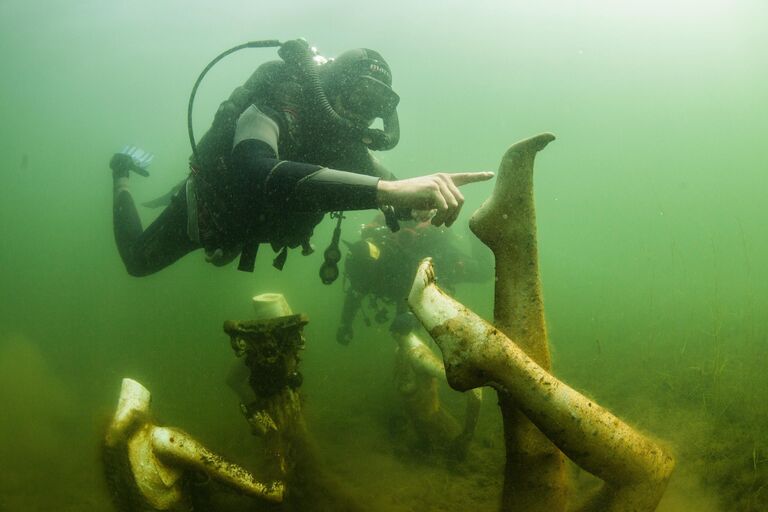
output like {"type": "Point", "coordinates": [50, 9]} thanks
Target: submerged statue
{"type": "Point", "coordinates": [270, 347]}
{"type": "Point", "coordinates": [378, 273]}
{"type": "Point", "coordinates": [418, 373]}
{"type": "Point", "coordinates": [149, 467]}
{"type": "Point", "coordinates": [544, 419]}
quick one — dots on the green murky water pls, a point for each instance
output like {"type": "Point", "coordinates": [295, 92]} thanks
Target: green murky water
{"type": "Point", "coordinates": [651, 212]}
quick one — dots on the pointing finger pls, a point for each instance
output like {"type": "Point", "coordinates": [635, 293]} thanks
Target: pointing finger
{"type": "Point", "coordinates": [463, 178]}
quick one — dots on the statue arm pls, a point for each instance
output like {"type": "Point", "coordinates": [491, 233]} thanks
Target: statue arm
{"type": "Point", "coordinates": [177, 448]}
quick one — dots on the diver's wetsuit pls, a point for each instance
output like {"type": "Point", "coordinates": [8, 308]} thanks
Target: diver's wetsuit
{"type": "Point", "coordinates": [380, 268]}
{"type": "Point", "coordinates": [145, 252]}
{"type": "Point", "coordinates": [254, 197]}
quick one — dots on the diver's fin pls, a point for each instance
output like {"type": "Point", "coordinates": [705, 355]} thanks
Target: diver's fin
{"type": "Point", "coordinates": [165, 199]}
{"type": "Point", "coordinates": [140, 159]}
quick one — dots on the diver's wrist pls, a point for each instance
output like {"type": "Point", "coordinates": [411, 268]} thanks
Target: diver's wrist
{"type": "Point", "coordinates": [384, 191]}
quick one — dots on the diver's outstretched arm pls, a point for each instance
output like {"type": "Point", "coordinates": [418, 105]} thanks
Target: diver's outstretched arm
{"type": "Point", "coordinates": [634, 468]}
{"type": "Point", "coordinates": [310, 188]}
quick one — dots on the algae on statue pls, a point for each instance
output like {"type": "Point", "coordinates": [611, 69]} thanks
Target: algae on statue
{"type": "Point", "coordinates": [270, 346]}
{"type": "Point", "coordinates": [149, 467]}
{"type": "Point", "coordinates": [543, 417]}
{"type": "Point", "coordinates": [418, 370]}
{"type": "Point", "coordinates": [506, 223]}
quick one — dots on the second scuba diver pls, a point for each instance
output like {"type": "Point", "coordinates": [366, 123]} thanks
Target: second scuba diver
{"type": "Point", "coordinates": [381, 265]}
{"type": "Point", "coordinates": [283, 150]}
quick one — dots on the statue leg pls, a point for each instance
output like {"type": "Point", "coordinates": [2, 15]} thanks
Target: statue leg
{"type": "Point", "coordinates": [534, 476]}
{"type": "Point", "coordinates": [422, 369]}
{"type": "Point", "coordinates": [634, 469]}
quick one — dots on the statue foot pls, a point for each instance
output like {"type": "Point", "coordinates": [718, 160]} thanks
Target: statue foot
{"type": "Point", "coordinates": [510, 208]}
{"type": "Point", "coordinates": [463, 337]}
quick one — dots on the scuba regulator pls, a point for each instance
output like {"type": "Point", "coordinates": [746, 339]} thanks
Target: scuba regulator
{"type": "Point", "coordinates": [365, 80]}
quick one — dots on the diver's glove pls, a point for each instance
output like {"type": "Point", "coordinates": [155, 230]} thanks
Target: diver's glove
{"type": "Point", "coordinates": [130, 158]}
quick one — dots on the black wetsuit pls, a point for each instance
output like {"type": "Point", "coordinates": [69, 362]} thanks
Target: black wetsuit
{"type": "Point", "coordinates": [249, 196]}
{"type": "Point", "coordinates": [386, 278]}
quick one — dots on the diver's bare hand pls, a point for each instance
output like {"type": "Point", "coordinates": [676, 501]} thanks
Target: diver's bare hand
{"type": "Point", "coordinates": [438, 191]}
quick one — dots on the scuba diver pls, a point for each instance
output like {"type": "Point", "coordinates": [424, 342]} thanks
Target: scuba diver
{"type": "Point", "coordinates": [378, 274]}
{"type": "Point", "coordinates": [291, 144]}
{"type": "Point", "coordinates": [381, 265]}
